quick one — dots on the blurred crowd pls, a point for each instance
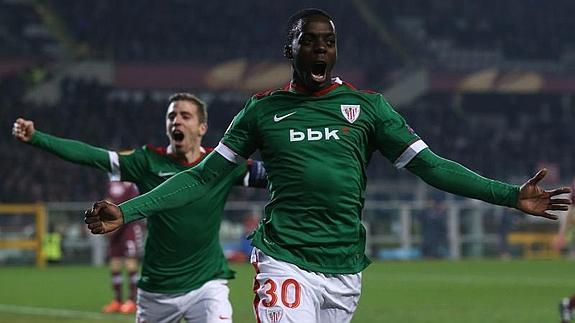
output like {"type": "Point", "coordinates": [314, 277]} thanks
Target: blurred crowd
{"type": "Point", "coordinates": [91, 113]}
{"type": "Point", "coordinates": [499, 135]}
{"type": "Point", "coordinates": [177, 30]}
{"type": "Point", "coordinates": [21, 30]}
{"type": "Point", "coordinates": [187, 30]}
{"type": "Point", "coordinates": [514, 29]}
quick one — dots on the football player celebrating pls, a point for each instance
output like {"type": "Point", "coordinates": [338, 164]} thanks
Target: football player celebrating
{"type": "Point", "coordinates": [184, 272]}
{"type": "Point", "coordinates": [316, 136]}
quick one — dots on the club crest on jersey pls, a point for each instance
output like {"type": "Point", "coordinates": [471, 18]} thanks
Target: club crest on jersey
{"type": "Point", "coordinates": [350, 111]}
{"type": "Point", "coordinates": [274, 314]}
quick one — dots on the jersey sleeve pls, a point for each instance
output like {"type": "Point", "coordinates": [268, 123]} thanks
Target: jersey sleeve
{"type": "Point", "coordinates": [454, 178]}
{"type": "Point", "coordinates": [393, 136]}
{"type": "Point", "coordinates": [241, 136]}
{"type": "Point", "coordinates": [181, 189]}
{"type": "Point", "coordinates": [129, 165]}
{"type": "Point", "coordinates": [73, 151]}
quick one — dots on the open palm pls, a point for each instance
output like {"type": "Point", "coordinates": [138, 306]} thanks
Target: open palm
{"type": "Point", "coordinates": [535, 200]}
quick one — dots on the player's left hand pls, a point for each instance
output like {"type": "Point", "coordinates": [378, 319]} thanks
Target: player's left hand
{"type": "Point", "coordinates": [534, 200]}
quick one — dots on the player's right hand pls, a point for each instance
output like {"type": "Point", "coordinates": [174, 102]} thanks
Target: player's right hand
{"type": "Point", "coordinates": [103, 217]}
{"type": "Point", "coordinates": [23, 129]}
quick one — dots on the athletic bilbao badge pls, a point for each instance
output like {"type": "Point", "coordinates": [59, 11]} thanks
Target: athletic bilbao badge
{"type": "Point", "coordinates": [274, 314]}
{"type": "Point", "coordinates": [350, 111]}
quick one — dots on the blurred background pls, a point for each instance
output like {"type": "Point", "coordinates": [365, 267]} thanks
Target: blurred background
{"type": "Point", "coordinates": [487, 83]}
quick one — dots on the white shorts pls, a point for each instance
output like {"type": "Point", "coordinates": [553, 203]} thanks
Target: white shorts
{"type": "Point", "coordinates": [209, 303]}
{"type": "Point", "coordinates": [285, 293]}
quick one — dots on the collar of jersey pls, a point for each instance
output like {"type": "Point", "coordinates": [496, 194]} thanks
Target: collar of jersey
{"type": "Point", "coordinates": [292, 87]}
{"type": "Point", "coordinates": [164, 151]}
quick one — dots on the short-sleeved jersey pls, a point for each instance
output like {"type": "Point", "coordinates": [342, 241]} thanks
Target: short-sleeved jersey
{"type": "Point", "coordinates": [316, 149]}
{"type": "Point", "coordinates": [182, 249]}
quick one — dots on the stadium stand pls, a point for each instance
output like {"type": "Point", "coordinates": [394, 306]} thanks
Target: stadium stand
{"type": "Point", "coordinates": [488, 130]}
{"type": "Point", "coordinates": [22, 32]}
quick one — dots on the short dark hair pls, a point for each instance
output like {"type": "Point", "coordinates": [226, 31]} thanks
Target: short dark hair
{"type": "Point", "coordinates": [185, 96]}
{"type": "Point", "coordinates": [294, 20]}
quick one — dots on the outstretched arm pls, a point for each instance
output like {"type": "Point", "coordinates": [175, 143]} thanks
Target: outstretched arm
{"type": "Point", "coordinates": [452, 177]}
{"type": "Point", "coordinates": [70, 150]}
{"type": "Point", "coordinates": [181, 189]}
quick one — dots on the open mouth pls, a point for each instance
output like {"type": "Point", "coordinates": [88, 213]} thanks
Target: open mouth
{"type": "Point", "coordinates": [177, 135]}
{"type": "Point", "coordinates": [318, 71]}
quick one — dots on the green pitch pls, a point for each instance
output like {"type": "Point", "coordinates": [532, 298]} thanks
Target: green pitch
{"type": "Point", "coordinates": [415, 292]}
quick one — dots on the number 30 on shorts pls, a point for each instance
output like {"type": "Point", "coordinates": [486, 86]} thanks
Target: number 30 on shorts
{"type": "Point", "coordinates": [289, 302]}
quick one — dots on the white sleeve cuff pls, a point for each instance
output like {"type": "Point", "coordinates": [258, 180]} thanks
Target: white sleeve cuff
{"type": "Point", "coordinates": [409, 154]}
{"type": "Point", "coordinates": [229, 154]}
{"type": "Point", "coordinates": [114, 174]}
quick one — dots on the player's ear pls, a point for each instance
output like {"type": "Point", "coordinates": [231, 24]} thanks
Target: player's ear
{"type": "Point", "coordinates": [203, 128]}
{"type": "Point", "coordinates": [288, 52]}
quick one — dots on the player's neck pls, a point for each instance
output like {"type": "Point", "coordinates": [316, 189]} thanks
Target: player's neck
{"type": "Point", "coordinates": [193, 155]}
{"type": "Point", "coordinates": [188, 156]}
{"type": "Point", "coordinates": [300, 86]}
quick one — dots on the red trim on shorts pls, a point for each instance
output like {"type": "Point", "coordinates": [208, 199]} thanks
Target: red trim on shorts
{"type": "Point", "coordinates": [255, 289]}
{"type": "Point", "coordinates": [256, 300]}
